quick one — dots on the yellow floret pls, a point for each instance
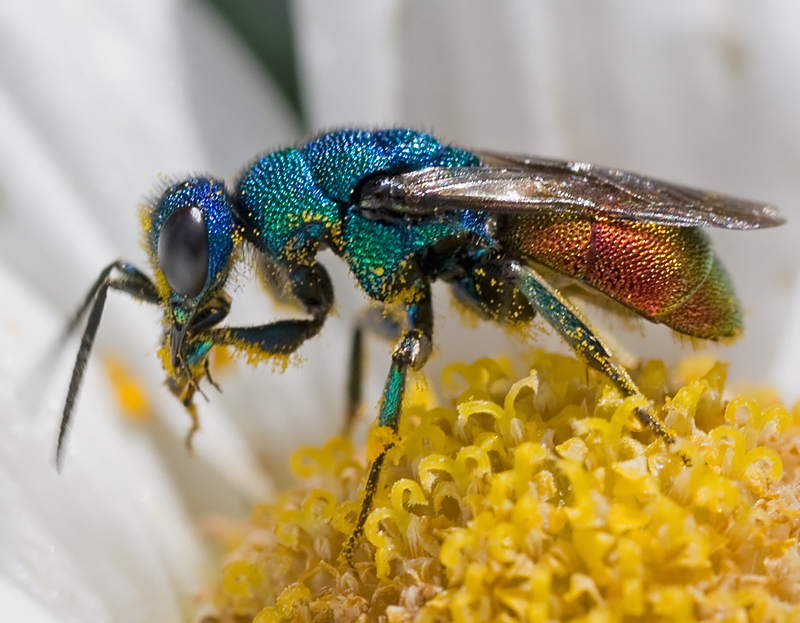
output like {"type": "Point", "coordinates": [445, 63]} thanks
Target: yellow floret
{"type": "Point", "coordinates": [540, 500]}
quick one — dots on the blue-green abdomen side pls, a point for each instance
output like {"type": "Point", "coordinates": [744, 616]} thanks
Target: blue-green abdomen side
{"type": "Point", "coordinates": [339, 160]}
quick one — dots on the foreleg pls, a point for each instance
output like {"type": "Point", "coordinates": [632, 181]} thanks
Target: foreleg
{"type": "Point", "coordinates": [116, 276]}
{"type": "Point", "coordinates": [312, 287]}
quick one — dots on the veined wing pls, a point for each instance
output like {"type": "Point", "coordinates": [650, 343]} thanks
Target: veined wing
{"type": "Point", "coordinates": [511, 184]}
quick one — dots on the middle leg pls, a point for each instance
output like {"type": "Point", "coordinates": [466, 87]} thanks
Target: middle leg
{"type": "Point", "coordinates": [411, 351]}
{"type": "Point", "coordinates": [377, 322]}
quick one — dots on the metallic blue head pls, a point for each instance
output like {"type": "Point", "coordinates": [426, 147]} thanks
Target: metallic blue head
{"type": "Point", "coordinates": [196, 221]}
{"type": "Point", "coordinates": [191, 238]}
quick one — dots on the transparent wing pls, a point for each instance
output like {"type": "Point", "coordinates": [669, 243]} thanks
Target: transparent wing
{"type": "Point", "coordinates": [512, 184]}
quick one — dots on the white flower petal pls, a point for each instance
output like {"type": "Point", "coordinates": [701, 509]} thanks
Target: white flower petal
{"type": "Point", "coordinates": [110, 537]}
{"type": "Point", "coordinates": [19, 605]}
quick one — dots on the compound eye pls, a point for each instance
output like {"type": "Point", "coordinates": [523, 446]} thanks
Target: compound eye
{"type": "Point", "coordinates": [183, 251]}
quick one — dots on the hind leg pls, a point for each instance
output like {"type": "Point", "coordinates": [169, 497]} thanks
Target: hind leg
{"type": "Point", "coordinates": [580, 336]}
{"type": "Point", "coordinates": [507, 291]}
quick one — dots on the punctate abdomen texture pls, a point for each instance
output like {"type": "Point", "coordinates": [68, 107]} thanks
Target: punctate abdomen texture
{"type": "Point", "coordinates": [668, 275]}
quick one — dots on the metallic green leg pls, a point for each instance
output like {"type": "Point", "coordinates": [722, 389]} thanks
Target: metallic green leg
{"type": "Point", "coordinates": [373, 321]}
{"type": "Point", "coordinates": [580, 337]}
{"type": "Point", "coordinates": [411, 351]}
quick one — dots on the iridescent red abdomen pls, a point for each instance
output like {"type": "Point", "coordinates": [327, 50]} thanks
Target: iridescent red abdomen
{"type": "Point", "coordinates": [668, 275]}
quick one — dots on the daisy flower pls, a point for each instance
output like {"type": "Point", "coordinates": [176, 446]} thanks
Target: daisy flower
{"type": "Point", "coordinates": [99, 99]}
